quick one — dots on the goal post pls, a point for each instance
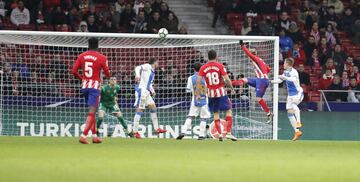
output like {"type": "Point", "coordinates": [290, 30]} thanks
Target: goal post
{"type": "Point", "coordinates": [41, 98]}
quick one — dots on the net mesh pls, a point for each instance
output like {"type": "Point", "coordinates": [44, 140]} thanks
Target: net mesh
{"type": "Point", "coordinates": [39, 96]}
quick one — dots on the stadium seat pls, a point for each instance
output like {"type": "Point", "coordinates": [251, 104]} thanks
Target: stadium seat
{"type": "Point", "coordinates": [232, 17]}
{"type": "Point", "coordinates": [27, 27]}
{"type": "Point", "coordinates": [46, 28]}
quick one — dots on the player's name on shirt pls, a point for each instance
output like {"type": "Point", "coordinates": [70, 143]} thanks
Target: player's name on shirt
{"type": "Point", "coordinates": [211, 68]}
{"type": "Point", "coordinates": [87, 57]}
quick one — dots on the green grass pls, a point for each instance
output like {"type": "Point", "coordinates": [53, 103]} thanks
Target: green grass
{"type": "Point", "coordinates": [63, 159]}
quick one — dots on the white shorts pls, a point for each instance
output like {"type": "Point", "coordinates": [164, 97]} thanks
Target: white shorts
{"type": "Point", "coordinates": [203, 111]}
{"type": "Point", "coordinates": [294, 100]}
{"type": "Point", "coordinates": [143, 99]}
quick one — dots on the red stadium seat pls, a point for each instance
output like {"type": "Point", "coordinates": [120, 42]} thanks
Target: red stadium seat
{"type": "Point", "coordinates": [27, 27]}
{"type": "Point", "coordinates": [46, 28]}
{"type": "Point", "coordinates": [232, 17]}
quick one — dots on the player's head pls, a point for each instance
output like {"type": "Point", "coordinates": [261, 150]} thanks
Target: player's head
{"type": "Point", "coordinates": [253, 51]}
{"type": "Point", "coordinates": [197, 66]}
{"type": "Point", "coordinates": [154, 62]}
{"type": "Point", "coordinates": [212, 56]}
{"type": "Point", "coordinates": [289, 62]}
{"type": "Point", "coordinates": [93, 43]}
{"type": "Point", "coordinates": [112, 81]}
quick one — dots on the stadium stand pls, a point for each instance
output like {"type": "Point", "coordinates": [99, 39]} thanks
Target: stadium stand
{"type": "Point", "coordinates": [105, 16]}
{"type": "Point", "coordinates": [335, 29]}
{"type": "Point", "coordinates": [336, 21]}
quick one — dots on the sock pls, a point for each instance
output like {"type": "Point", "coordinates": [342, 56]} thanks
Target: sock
{"type": "Point", "coordinates": [137, 118]}
{"type": "Point", "coordinates": [202, 131]}
{"type": "Point", "coordinates": [154, 119]}
{"type": "Point", "coordinates": [186, 126]}
{"type": "Point", "coordinates": [122, 122]}
{"type": "Point", "coordinates": [292, 120]}
{"type": "Point", "coordinates": [99, 121]}
{"type": "Point", "coordinates": [217, 126]}
{"type": "Point", "coordinates": [297, 113]}
{"type": "Point", "coordinates": [93, 128]}
{"type": "Point", "coordinates": [229, 123]}
{"type": "Point", "coordinates": [264, 105]}
{"type": "Point", "coordinates": [89, 123]}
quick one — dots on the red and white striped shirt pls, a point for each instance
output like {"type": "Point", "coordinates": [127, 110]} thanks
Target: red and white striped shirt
{"type": "Point", "coordinates": [219, 92]}
{"type": "Point", "coordinates": [261, 68]}
{"type": "Point", "coordinates": [91, 62]}
{"type": "Point", "coordinates": [259, 73]}
{"type": "Point", "coordinates": [90, 84]}
{"type": "Point", "coordinates": [213, 73]}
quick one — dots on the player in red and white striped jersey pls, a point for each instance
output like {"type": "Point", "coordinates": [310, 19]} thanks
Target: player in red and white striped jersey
{"type": "Point", "coordinates": [214, 74]}
{"type": "Point", "coordinates": [92, 63]}
{"type": "Point", "coordinates": [261, 82]}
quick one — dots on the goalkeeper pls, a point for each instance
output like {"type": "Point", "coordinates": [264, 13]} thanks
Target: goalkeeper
{"type": "Point", "coordinates": [108, 103]}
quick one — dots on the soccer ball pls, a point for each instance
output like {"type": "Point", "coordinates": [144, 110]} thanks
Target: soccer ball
{"type": "Point", "coordinates": [163, 32]}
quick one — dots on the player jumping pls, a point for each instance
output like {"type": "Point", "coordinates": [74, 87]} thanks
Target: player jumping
{"type": "Point", "coordinates": [198, 107]}
{"type": "Point", "coordinates": [108, 103]}
{"type": "Point", "coordinates": [91, 62]}
{"type": "Point", "coordinates": [214, 74]}
{"type": "Point", "coordinates": [261, 82]}
{"type": "Point", "coordinates": [295, 95]}
{"type": "Point", "coordinates": [144, 76]}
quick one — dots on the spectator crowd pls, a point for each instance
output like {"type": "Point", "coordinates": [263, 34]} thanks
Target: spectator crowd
{"type": "Point", "coordinates": [130, 16]}
{"type": "Point", "coordinates": [313, 32]}
{"type": "Point", "coordinates": [310, 31]}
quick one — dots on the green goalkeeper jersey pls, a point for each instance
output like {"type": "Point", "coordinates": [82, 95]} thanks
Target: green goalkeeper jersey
{"type": "Point", "coordinates": [108, 95]}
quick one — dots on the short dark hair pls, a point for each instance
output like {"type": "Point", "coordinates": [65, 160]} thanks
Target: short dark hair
{"type": "Point", "coordinates": [331, 7]}
{"type": "Point", "coordinates": [152, 60]}
{"type": "Point", "coordinates": [212, 54]}
{"type": "Point", "coordinates": [197, 66]}
{"type": "Point", "coordinates": [93, 43]}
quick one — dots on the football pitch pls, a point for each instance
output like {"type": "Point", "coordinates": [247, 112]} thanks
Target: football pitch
{"type": "Point", "coordinates": [64, 159]}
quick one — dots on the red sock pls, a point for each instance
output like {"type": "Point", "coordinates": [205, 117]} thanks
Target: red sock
{"type": "Point", "coordinates": [89, 123]}
{"type": "Point", "coordinates": [93, 128]}
{"type": "Point", "coordinates": [264, 105]}
{"type": "Point", "coordinates": [228, 123]}
{"type": "Point", "coordinates": [217, 126]}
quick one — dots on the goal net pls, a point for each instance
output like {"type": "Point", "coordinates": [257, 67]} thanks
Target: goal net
{"type": "Point", "coordinates": [39, 96]}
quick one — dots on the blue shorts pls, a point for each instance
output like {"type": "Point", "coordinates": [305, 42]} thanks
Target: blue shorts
{"type": "Point", "coordinates": [219, 104]}
{"type": "Point", "coordinates": [92, 96]}
{"type": "Point", "coordinates": [260, 85]}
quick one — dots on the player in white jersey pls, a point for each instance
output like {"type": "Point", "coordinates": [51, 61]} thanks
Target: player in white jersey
{"type": "Point", "coordinates": [198, 107]}
{"type": "Point", "coordinates": [144, 90]}
{"type": "Point", "coordinates": [295, 95]}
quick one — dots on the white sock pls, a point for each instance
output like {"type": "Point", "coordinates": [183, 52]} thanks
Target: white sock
{"type": "Point", "coordinates": [292, 121]}
{"type": "Point", "coordinates": [187, 125]}
{"type": "Point", "coordinates": [154, 119]}
{"type": "Point", "coordinates": [137, 118]}
{"type": "Point", "coordinates": [94, 135]}
{"type": "Point", "coordinates": [297, 113]}
{"type": "Point", "coordinates": [202, 128]}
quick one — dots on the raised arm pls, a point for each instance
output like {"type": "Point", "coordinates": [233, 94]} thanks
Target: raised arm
{"type": "Point", "coordinates": [248, 53]}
